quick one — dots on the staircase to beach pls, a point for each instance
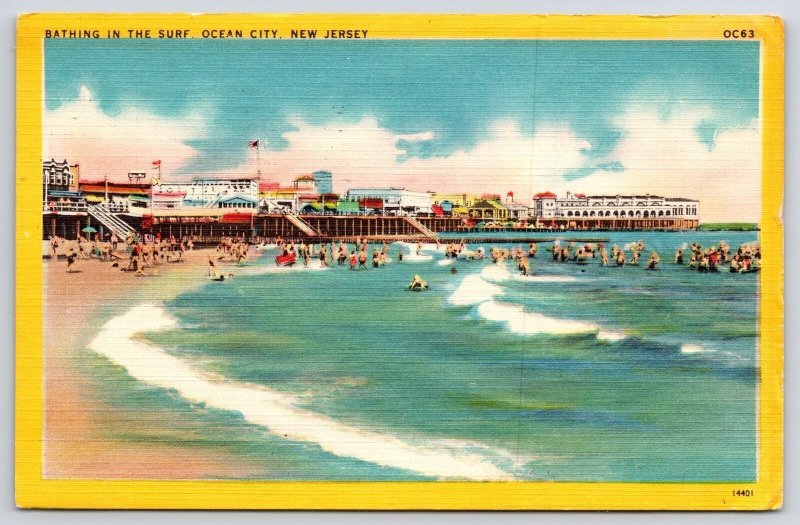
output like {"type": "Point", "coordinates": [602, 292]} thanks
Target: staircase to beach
{"type": "Point", "coordinates": [302, 225]}
{"type": "Point", "coordinates": [107, 218]}
{"type": "Point", "coordinates": [427, 232]}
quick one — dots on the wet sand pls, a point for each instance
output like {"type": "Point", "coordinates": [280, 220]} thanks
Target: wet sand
{"type": "Point", "coordinates": [79, 439]}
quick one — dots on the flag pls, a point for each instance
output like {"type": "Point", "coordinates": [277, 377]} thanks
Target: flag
{"type": "Point", "coordinates": [156, 163]}
{"type": "Point", "coordinates": [252, 144]}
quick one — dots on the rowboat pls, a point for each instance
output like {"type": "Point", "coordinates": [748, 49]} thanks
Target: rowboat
{"type": "Point", "coordinates": [286, 260]}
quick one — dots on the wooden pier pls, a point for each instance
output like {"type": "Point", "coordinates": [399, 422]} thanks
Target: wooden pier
{"type": "Point", "coordinates": [326, 228]}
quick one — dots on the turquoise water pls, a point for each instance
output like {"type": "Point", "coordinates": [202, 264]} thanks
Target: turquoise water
{"type": "Point", "coordinates": [582, 373]}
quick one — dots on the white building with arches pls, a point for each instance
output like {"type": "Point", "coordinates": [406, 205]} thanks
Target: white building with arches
{"type": "Point", "coordinates": [582, 211]}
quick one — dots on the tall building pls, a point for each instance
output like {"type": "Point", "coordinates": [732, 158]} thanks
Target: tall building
{"type": "Point", "coordinates": [324, 181]}
{"type": "Point", "coordinates": [63, 205]}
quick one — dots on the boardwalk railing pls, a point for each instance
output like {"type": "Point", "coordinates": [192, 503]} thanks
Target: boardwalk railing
{"type": "Point", "coordinates": [424, 230]}
{"type": "Point", "coordinates": [302, 225]}
{"type": "Point", "coordinates": [106, 217]}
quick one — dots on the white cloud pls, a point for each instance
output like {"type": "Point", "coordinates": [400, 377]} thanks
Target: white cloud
{"type": "Point", "coordinates": [114, 145]}
{"type": "Point", "coordinates": [665, 157]}
{"type": "Point", "coordinates": [660, 156]}
{"type": "Point", "coordinates": [364, 154]}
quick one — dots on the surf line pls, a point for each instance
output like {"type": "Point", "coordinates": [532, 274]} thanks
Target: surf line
{"type": "Point", "coordinates": [273, 410]}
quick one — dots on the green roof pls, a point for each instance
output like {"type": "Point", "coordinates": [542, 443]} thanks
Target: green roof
{"type": "Point", "coordinates": [348, 206]}
{"type": "Point", "coordinates": [489, 204]}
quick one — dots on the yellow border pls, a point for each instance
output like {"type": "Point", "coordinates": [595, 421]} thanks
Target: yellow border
{"type": "Point", "coordinates": [33, 491]}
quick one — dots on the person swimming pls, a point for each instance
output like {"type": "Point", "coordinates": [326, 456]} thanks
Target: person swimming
{"type": "Point", "coordinates": [653, 261]}
{"type": "Point", "coordinates": [524, 266]}
{"type": "Point", "coordinates": [417, 283]}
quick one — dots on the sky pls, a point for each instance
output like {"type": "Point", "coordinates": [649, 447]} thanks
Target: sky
{"type": "Point", "coordinates": [678, 119]}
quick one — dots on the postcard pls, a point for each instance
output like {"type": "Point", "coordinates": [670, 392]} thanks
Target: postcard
{"type": "Point", "coordinates": [399, 262]}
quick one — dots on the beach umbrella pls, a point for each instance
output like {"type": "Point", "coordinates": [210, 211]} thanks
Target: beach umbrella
{"type": "Point", "coordinates": [89, 229]}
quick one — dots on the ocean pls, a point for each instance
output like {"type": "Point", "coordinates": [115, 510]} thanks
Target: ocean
{"type": "Point", "coordinates": [576, 373]}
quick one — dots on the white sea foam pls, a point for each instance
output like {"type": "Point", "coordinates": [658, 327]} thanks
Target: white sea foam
{"type": "Point", "coordinates": [521, 322]}
{"type": "Point", "coordinates": [445, 262]}
{"type": "Point", "coordinates": [414, 258]}
{"type": "Point", "coordinates": [313, 265]}
{"type": "Point", "coordinates": [496, 272]}
{"type": "Point", "coordinates": [544, 278]}
{"type": "Point", "coordinates": [473, 290]}
{"type": "Point", "coordinates": [691, 348]}
{"type": "Point", "coordinates": [275, 411]}
{"type": "Point", "coordinates": [431, 247]}
{"type": "Point", "coordinates": [610, 335]}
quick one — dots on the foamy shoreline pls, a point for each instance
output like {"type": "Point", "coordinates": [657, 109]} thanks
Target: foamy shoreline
{"type": "Point", "coordinates": [76, 443]}
{"type": "Point", "coordinates": [276, 411]}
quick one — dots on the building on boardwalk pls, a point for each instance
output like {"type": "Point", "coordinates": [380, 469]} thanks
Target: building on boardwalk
{"type": "Point", "coordinates": [305, 183]}
{"type": "Point", "coordinates": [240, 194]}
{"type": "Point", "coordinates": [324, 181]}
{"type": "Point", "coordinates": [463, 200]}
{"type": "Point", "coordinates": [488, 210]}
{"type": "Point", "coordinates": [64, 207]}
{"type": "Point", "coordinates": [391, 201]}
{"type": "Point", "coordinates": [455, 204]}
{"type": "Point", "coordinates": [580, 211]}
{"type": "Point", "coordinates": [129, 198]}
{"type": "Point", "coordinates": [516, 212]}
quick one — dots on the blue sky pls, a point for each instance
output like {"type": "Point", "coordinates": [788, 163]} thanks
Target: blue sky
{"type": "Point", "coordinates": [435, 99]}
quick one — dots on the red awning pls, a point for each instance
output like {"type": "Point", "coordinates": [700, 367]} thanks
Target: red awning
{"type": "Point", "coordinates": [114, 188]}
{"type": "Point", "coordinates": [236, 218]}
{"type": "Point", "coordinates": [437, 210]}
{"type": "Point", "coordinates": [371, 203]}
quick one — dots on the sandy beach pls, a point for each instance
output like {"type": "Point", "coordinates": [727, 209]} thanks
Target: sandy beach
{"type": "Point", "coordinates": [77, 441]}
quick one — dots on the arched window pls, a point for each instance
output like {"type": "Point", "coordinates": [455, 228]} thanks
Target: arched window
{"type": "Point", "coordinates": [630, 213]}
{"type": "Point", "coordinates": [592, 214]}
{"type": "Point", "coordinates": [585, 213]}
{"type": "Point", "coordinates": [569, 214]}
{"type": "Point", "coordinates": [638, 213]}
{"type": "Point", "coordinates": [616, 213]}
{"type": "Point", "coordinates": [667, 213]}
{"type": "Point", "coordinates": [660, 213]}
{"type": "Point", "coordinates": [608, 213]}
{"type": "Point", "coordinates": [646, 213]}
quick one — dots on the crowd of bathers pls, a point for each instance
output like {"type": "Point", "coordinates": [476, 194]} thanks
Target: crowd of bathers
{"type": "Point", "coordinates": [141, 253]}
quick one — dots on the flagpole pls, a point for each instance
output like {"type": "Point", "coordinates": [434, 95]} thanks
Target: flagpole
{"type": "Point", "coordinates": [258, 160]}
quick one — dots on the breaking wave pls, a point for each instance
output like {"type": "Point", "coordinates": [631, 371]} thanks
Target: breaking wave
{"type": "Point", "coordinates": [277, 411]}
